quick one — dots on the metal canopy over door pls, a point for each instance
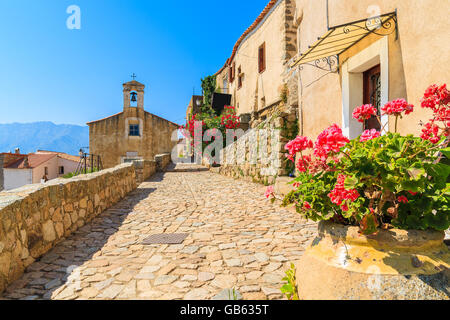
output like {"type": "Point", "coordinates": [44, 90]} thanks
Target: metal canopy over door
{"type": "Point", "coordinates": [324, 54]}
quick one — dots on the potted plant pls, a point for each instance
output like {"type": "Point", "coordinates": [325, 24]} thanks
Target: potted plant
{"type": "Point", "coordinates": [383, 205]}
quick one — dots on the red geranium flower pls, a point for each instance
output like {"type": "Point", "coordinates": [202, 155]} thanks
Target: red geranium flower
{"type": "Point", "coordinates": [307, 206]}
{"type": "Point", "coordinates": [298, 144]}
{"type": "Point", "coordinates": [270, 191]}
{"type": "Point", "coordinates": [397, 107]}
{"type": "Point", "coordinates": [303, 163]}
{"type": "Point", "coordinates": [369, 135]}
{"type": "Point", "coordinates": [364, 112]}
{"type": "Point", "coordinates": [339, 195]}
{"type": "Point", "coordinates": [330, 141]}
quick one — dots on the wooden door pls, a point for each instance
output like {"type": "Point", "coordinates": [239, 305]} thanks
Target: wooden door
{"type": "Point", "coordinates": [372, 95]}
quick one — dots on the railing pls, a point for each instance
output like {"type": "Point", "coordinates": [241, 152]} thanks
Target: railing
{"type": "Point", "coordinates": [89, 163]}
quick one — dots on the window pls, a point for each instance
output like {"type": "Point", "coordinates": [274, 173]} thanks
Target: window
{"type": "Point", "coordinates": [134, 130]}
{"type": "Point", "coordinates": [46, 170]}
{"type": "Point", "coordinates": [61, 170]}
{"type": "Point", "coordinates": [262, 58]}
{"type": "Point", "coordinates": [232, 71]}
{"type": "Point", "coordinates": [239, 77]}
{"type": "Point", "coordinates": [225, 86]}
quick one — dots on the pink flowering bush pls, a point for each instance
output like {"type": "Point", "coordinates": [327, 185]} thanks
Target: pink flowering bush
{"type": "Point", "coordinates": [438, 100]}
{"type": "Point", "coordinates": [378, 181]}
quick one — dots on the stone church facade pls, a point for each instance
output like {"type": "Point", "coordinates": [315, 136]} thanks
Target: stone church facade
{"type": "Point", "coordinates": [131, 134]}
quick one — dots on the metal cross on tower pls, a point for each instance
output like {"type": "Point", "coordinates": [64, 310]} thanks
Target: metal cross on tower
{"type": "Point", "coordinates": [133, 76]}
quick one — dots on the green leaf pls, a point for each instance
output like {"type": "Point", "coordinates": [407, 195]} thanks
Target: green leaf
{"type": "Point", "coordinates": [440, 221]}
{"type": "Point", "coordinates": [446, 152]}
{"type": "Point", "coordinates": [415, 222]}
{"type": "Point", "coordinates": [416, 173]}
{"type": "Point", "coordinates": [369, 224]}
{"type": "Point", "coordinates": [350, 183]}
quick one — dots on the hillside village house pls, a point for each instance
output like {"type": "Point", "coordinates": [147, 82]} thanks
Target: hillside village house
{"type": "Point", "coordinates": [347, 59]}
{"type": "Point", "coordinates": [257, 70]}
{"type": "Point", "coordinates": [20, 169]}
{"type": "Point", "coordinates": [262, 88]}
{"type": "Point", "coordinates": [133, 133]}
{"type": "Point", "coordinates": [314, 61]}
{"type": "Point", "coordinates": [334, 58]}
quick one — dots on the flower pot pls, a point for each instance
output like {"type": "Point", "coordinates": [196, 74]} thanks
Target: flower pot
{"type": "Point", "coordinates": [342, 264]}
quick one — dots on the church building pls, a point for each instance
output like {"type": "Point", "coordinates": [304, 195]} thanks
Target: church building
{"type": "Point", "coordinates": [131, 134]}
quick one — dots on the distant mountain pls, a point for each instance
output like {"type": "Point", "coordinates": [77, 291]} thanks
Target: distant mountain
{"type": "Point", "coordinates": [30, 137]}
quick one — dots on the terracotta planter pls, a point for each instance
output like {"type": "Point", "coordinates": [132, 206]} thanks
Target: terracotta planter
{"type": "Point", "coordinates": [396, 264]}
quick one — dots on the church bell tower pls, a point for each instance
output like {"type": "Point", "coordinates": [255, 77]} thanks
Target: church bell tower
{"type": "Point", "coordinates": [133, 95]}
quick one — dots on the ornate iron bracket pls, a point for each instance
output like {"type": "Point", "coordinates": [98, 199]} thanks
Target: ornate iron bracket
{"type": "Point", "coordinates": [375, 26]}
{"type": "Point", "coordinates": [330, 64]}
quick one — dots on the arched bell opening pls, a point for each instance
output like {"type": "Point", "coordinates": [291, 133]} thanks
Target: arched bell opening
{"type": "Point", "coordinates": [133, 99]}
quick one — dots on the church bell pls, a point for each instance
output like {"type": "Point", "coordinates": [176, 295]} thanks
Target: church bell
{"type": "Point", "coordinates": [133, 97]}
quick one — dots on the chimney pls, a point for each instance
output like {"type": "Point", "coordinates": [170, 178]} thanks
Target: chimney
{"type": "Point", "coordinates": [26, 164]}
{"type": "Point", "coordinates": [17, 151]}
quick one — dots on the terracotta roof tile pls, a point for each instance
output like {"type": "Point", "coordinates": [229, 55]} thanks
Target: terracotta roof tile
{"type": "Point", "coordinates": [61, 155]}
{"type": "Point", "coordinates": [34, 160]}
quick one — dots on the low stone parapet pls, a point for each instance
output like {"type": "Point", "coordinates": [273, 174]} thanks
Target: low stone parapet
{"type": "Point", "coordinates": [36, 217]}
{"type": "Point", "coordinates": [162, 161]}
{"type": "Point", "coordinates": [144, 169]}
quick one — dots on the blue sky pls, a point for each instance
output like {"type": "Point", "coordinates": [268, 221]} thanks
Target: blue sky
{"type": "Point", "coordinates": [51, 73]}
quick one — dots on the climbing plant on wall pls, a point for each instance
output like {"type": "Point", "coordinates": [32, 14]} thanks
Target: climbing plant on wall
{"type": "Point", "coordinates": [208, 87]}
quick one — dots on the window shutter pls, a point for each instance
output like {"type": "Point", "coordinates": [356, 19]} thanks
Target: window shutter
{"type": "Point", "coordinates": [262, 58]}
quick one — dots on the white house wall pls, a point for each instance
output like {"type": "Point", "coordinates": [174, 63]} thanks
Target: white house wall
{"type": "Point", "coordinates": [69, 166]}
{"type": "Point", "coordinates": [16, 178]}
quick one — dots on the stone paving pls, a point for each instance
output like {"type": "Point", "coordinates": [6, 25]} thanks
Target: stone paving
{"type": "Point", "coordinates": [237, 240]}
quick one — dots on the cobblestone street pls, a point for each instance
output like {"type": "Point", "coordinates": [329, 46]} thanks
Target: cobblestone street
{"type": "Point", "coordinates": [237, 239]}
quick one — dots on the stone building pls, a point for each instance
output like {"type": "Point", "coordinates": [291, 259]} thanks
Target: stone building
{"type": "Point", "coordinates": [264, 90]}
{"type": "Point", "coordinates": [314, 61]}
{"type": "Point", "coordinates": [256, 74]}
{"type": "Point", "coordinates": [194, 106]}
{"type": "Point", "coordinates": [133, 133]}
{"type": "Point", "coordinates": [353, 52]}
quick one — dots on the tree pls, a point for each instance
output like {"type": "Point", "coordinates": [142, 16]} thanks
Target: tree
{"type": "Point", "coordinates": [208, 87]}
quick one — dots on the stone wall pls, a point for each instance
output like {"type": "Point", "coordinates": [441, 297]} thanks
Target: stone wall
{"type": "Point", "coordinates": [144, 169]}
{"type": "Point", "coordinates": [36, 217]}
{"type": "Point", "coordinates": [274, 163]}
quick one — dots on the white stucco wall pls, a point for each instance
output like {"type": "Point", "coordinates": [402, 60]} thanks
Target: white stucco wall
{"type": "Point", "coordinates": [69, 166]}
{"type": "Point", "coordinates": [53, 172]}
{"type": "Point", "coordinates": [16, 178]}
